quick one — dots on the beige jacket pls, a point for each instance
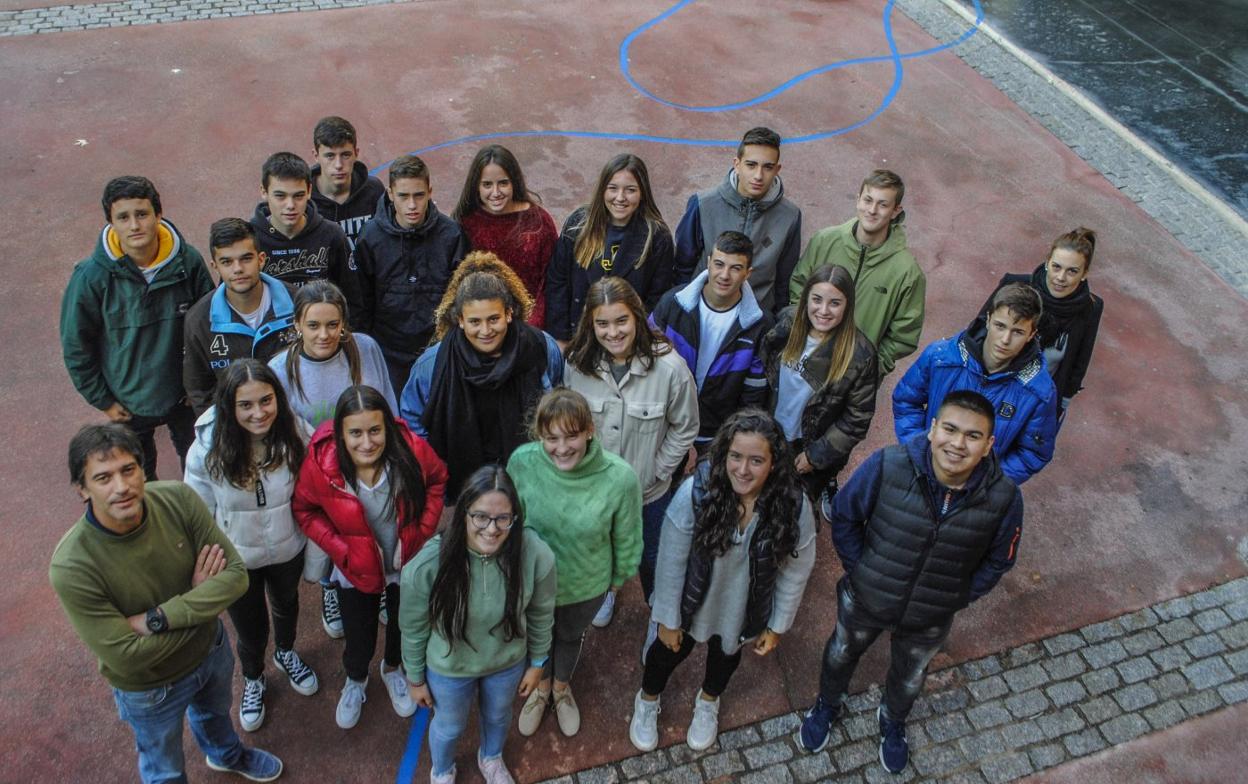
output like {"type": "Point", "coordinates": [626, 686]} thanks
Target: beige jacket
{"type": "Point", "coordinates": [650, 418]}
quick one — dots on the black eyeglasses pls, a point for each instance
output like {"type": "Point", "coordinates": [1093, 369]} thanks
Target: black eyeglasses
{"type": "Point", "coordinates": [481, 520]}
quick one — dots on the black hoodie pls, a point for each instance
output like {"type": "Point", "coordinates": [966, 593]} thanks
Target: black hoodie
{"type": "Point", "coordinates": [402, 274]}
{"type": "Point", "coordinates": [352, 214]}
{"type": "Point", "coordinates": [319, 251]}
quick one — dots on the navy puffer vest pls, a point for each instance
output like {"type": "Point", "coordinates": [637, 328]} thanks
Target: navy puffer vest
{"type": "Point", "coordinates": [764, 567]}
{"type": "Point", "coordinates": [915, 571]}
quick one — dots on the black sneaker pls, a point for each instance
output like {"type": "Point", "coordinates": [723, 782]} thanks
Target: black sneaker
{"type": "Point", "coordinates": [251, 707]}
{"type": "Point", "coordinates": [894, 750]}
{"type": "Point", "coordinates": [302, 679]}
{"type": "Point", "coordinates": [816, 726]}
{"type": "Point", "coordinates": [331, 616]}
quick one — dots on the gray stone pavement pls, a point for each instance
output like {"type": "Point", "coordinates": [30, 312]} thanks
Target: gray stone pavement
{"type": "Point", "coordinates": [1005, 716]}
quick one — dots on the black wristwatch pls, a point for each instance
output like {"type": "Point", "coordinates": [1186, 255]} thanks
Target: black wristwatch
{"type": "Point", "coordinates": [156, 621]}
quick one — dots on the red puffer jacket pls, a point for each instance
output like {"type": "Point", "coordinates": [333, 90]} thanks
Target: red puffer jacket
{"type": "Point", "coordinates": [333, 517]}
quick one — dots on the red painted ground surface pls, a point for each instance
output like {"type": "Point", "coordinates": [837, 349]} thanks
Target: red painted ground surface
{"type": "Point", "coordinates": [1208, 750]}
{"type": "Point", "coordinates": [1144, 500]}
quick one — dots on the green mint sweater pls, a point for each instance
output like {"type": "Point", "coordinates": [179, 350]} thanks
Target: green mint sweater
{"type": "Point", "coordinates": [486, 649]}
{"type": "Point", "coordinates": [590, 516]}
{"type": "Point", "coordinates": [102, 579]}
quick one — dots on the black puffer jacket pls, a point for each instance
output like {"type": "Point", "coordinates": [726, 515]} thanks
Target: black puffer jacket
{"type": "Point", "coordinates": [402, 275]}
{"type": "Point", "coordinates": [837, 416]}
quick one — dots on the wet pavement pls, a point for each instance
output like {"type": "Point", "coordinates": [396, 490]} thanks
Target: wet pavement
{"type": "Point", "coordinates": [1173, 71]}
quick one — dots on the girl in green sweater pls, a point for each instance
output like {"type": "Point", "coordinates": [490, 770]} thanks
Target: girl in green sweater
{"type": "Point", "coordinates": [586, 504]}
{"type": "Point", "coordinates": [476, 608]}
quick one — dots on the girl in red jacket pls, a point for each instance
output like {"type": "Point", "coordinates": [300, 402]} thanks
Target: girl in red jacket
{"type": "Point", "coordinates": [369, 494]}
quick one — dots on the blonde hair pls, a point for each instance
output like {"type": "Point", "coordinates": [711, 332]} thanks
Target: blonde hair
{"type": "Point", "coordinates": [843, 335]}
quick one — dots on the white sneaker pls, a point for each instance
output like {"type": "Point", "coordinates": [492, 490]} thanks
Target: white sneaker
{"type": "Point", "coordinates": [606, 612]}
{"type": "Point", "coordinates": [251, 709]}
{"type": "Point", "coordinates": [350, 703]}
{"type": "Point", "coordinates": [494, 771]}
{"type": "Point", "coordinates": [704, 727]}
{"type": "Point", "coordinates": [396, 687]}
{"type": "Point", "coordinates": [445, 778]}
{"type": "Point", "coordinates": [643, 730]}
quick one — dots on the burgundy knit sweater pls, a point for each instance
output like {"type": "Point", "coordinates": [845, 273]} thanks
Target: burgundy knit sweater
{"type": "Point", "coordinates": [525, 240]}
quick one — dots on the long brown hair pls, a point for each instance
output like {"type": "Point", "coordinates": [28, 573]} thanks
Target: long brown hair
{"type": "Point", "coordinates": [470, 196]}
{"type": "Point", "coordinates": [585, 353]}
{"type": "Point", "coordinates": [593, 230]}
{"type": "Point", "coordinates": [844, 334]}
{"type": "Point", "coordinates": [229, 452]}
{"type": "Point", "coordinates": [481, 275]}
{"type": "Point", "coordinates": [318, 292]}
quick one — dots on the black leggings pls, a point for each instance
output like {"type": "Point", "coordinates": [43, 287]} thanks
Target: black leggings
{"type": "Point", "coordinates": [359, 625]}
{"type": "Point", "coordinates": [250, 612]}
{"type": "Point", "coordinates": [662, 661]}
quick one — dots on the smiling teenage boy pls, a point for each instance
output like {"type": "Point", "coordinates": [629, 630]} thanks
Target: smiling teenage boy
{"type": "Point", "coordinates": [248, 315]}
{"type": "Point", "coordinates": [890, 288]}
{"type": "Point", "coordinates": [999, 357]}
{"type": "Point", "coordinates": [122, 318]}
{"type": "Point", "coordinates": [749, 200]}
{"type": "Point", "coordinates": [342, 189]}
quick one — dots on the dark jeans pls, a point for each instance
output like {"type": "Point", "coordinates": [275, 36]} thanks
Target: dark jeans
{"type": "Point", "coordinates": [359, 625]}
{"type": "Point", "coordinates": [571, 623]}
{"type": "Point", "coordinates": [662, 661]}
{"type": "Point", "coordinates": [911, 650]}
{"type": "Point", "coordinates": [250, 612]}
{"type": "Point", "coordinates": [651, 528]}
{"type": "Point", "coordinates": [181, 423]}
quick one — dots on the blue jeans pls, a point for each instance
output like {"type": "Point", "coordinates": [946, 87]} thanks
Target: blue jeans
{"type": "Point", "coordinates": [204, 696]}
{"type": "Point", "coordinates": [651, 529]}
{"type": "Point", "coordinates": [452, 702]}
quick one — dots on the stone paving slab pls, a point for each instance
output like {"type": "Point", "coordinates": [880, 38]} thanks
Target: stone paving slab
{"type": "Point", "coordinates": [1005, 716]}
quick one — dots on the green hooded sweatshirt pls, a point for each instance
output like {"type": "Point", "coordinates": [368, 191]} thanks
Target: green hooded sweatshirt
{"type": "Point", "coordinates": [889, 286]}
{"type": "Point", "coordinates": [590, 516]}
{"type": "Point", "coordinates": [122, 336]}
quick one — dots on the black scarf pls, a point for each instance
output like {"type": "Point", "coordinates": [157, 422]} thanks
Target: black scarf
{"type": "Point", "coordinates": [477, 404]}
{"type": "Point", "coordinates": [1059, 313]}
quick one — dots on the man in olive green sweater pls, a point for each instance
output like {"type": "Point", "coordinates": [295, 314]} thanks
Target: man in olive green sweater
{"type": "Point", "coordinates": [889, 286]}
{"type": "Point", "coordinates": [143, 576]}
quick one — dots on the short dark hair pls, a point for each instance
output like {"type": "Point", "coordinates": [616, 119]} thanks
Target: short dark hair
{"type": "Point", "coordinates": [285, 166]}
{"type": "Point", "coordinates": [1021, 300]}
{"type": "Point", "coordinates": [333, 131]}
{"type": "Point", "coordinates": [764, 137]}
{"type": "Point", "coordinates": [970, 400]}
{"type": "Point", "coordinates": [100, 440]}
{"type": "Point", "coordinates": [735, 243]}
{"type": "Point", "coordinates": [128, 187]}
{"type": "Point", "coordinates": [227, 231]}
{"type": "Point", "coordinates": [406, 166]}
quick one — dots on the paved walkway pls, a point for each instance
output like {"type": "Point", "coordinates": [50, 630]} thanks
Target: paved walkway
{"type": "Point", "coordinates": [1004, 716]}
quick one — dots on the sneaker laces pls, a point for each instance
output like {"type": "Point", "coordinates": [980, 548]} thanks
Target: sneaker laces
{"type": "Point", "coordinates": [253, 696]}
{"type": "Point", "coordinates": [352, 695]}
{"type": "Point", "coordinates": [296, 670]}
{"type": "Point", "coordinates": [537, 705]}
{"type": "Point", "coordinates": [329, 605]}
{"type": "Point", "coordinates": [396, 683]}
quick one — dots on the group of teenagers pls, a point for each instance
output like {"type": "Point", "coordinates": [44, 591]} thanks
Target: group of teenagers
{"type": "Point", "coordinates": [602, 402]}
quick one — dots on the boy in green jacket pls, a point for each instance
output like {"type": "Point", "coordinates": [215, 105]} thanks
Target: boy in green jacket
{"type": "Point", "coordinates": [122, 314]}
{"type": "Point", "coordinates": [889, 286]}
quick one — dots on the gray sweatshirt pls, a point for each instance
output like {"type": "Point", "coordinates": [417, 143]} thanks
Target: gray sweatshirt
{"type": "Point", "coordinates": [723, 611]}
{"type": "Point", "coordinates": [324, 381]}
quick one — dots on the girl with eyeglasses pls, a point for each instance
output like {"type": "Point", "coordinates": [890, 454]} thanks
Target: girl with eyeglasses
{"type": "Point", "coordinates": [477, 604]}
{"type": "Point", "coordinates": [585, 502]}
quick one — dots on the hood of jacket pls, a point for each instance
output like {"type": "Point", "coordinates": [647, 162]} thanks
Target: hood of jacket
{"type": "Point", "coordinates": [356, 196]}
{"type": "Point", "coordinates": [728, 191]}
{"type": "Point", "coordinates": [281, 306]}
{"type": "Point", "coordinates": [314, 226]}
{"type": "Point", "coordinates": [892, 245]}
{"type": "Point", "coordinates": [108, 257]}
{"type": "Point", "coordinates": [691, 295]}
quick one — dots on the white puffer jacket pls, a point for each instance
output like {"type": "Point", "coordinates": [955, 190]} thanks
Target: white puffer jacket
{"type": "Point", "coordinates": [263, 535]}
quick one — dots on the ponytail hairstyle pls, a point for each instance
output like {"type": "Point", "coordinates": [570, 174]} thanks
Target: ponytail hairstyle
{"type": "Point", "coordinates": [591, 240]}
{"type": "Point", "coordinates": [585, 353]}
{"type": "Point", "coordinates": [405, 480]}
{"type": "Point", "coordinates": [480, 276]}
{"type": "Point", "coordinates": [842, 337]}
{"type": "Point", "coordinates": [448, 597]}
{"type": "Point", "coordinates": [1081, 240]}
{"type": "Point", "coordinates": [720, 510]}
{"type": "Point", "coordinates": [320, 292]}
{"type": "Point", "coordinates": [229, 454]}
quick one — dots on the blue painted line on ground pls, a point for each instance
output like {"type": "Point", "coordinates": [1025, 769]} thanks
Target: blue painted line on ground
{"type": "Point", "coordinates": [894, 56]}
{"type": "Point", "coordinates": [415, 739]}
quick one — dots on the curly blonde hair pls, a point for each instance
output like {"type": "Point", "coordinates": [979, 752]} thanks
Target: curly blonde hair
{"type": "Point", "coordinates": [481, 275]}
